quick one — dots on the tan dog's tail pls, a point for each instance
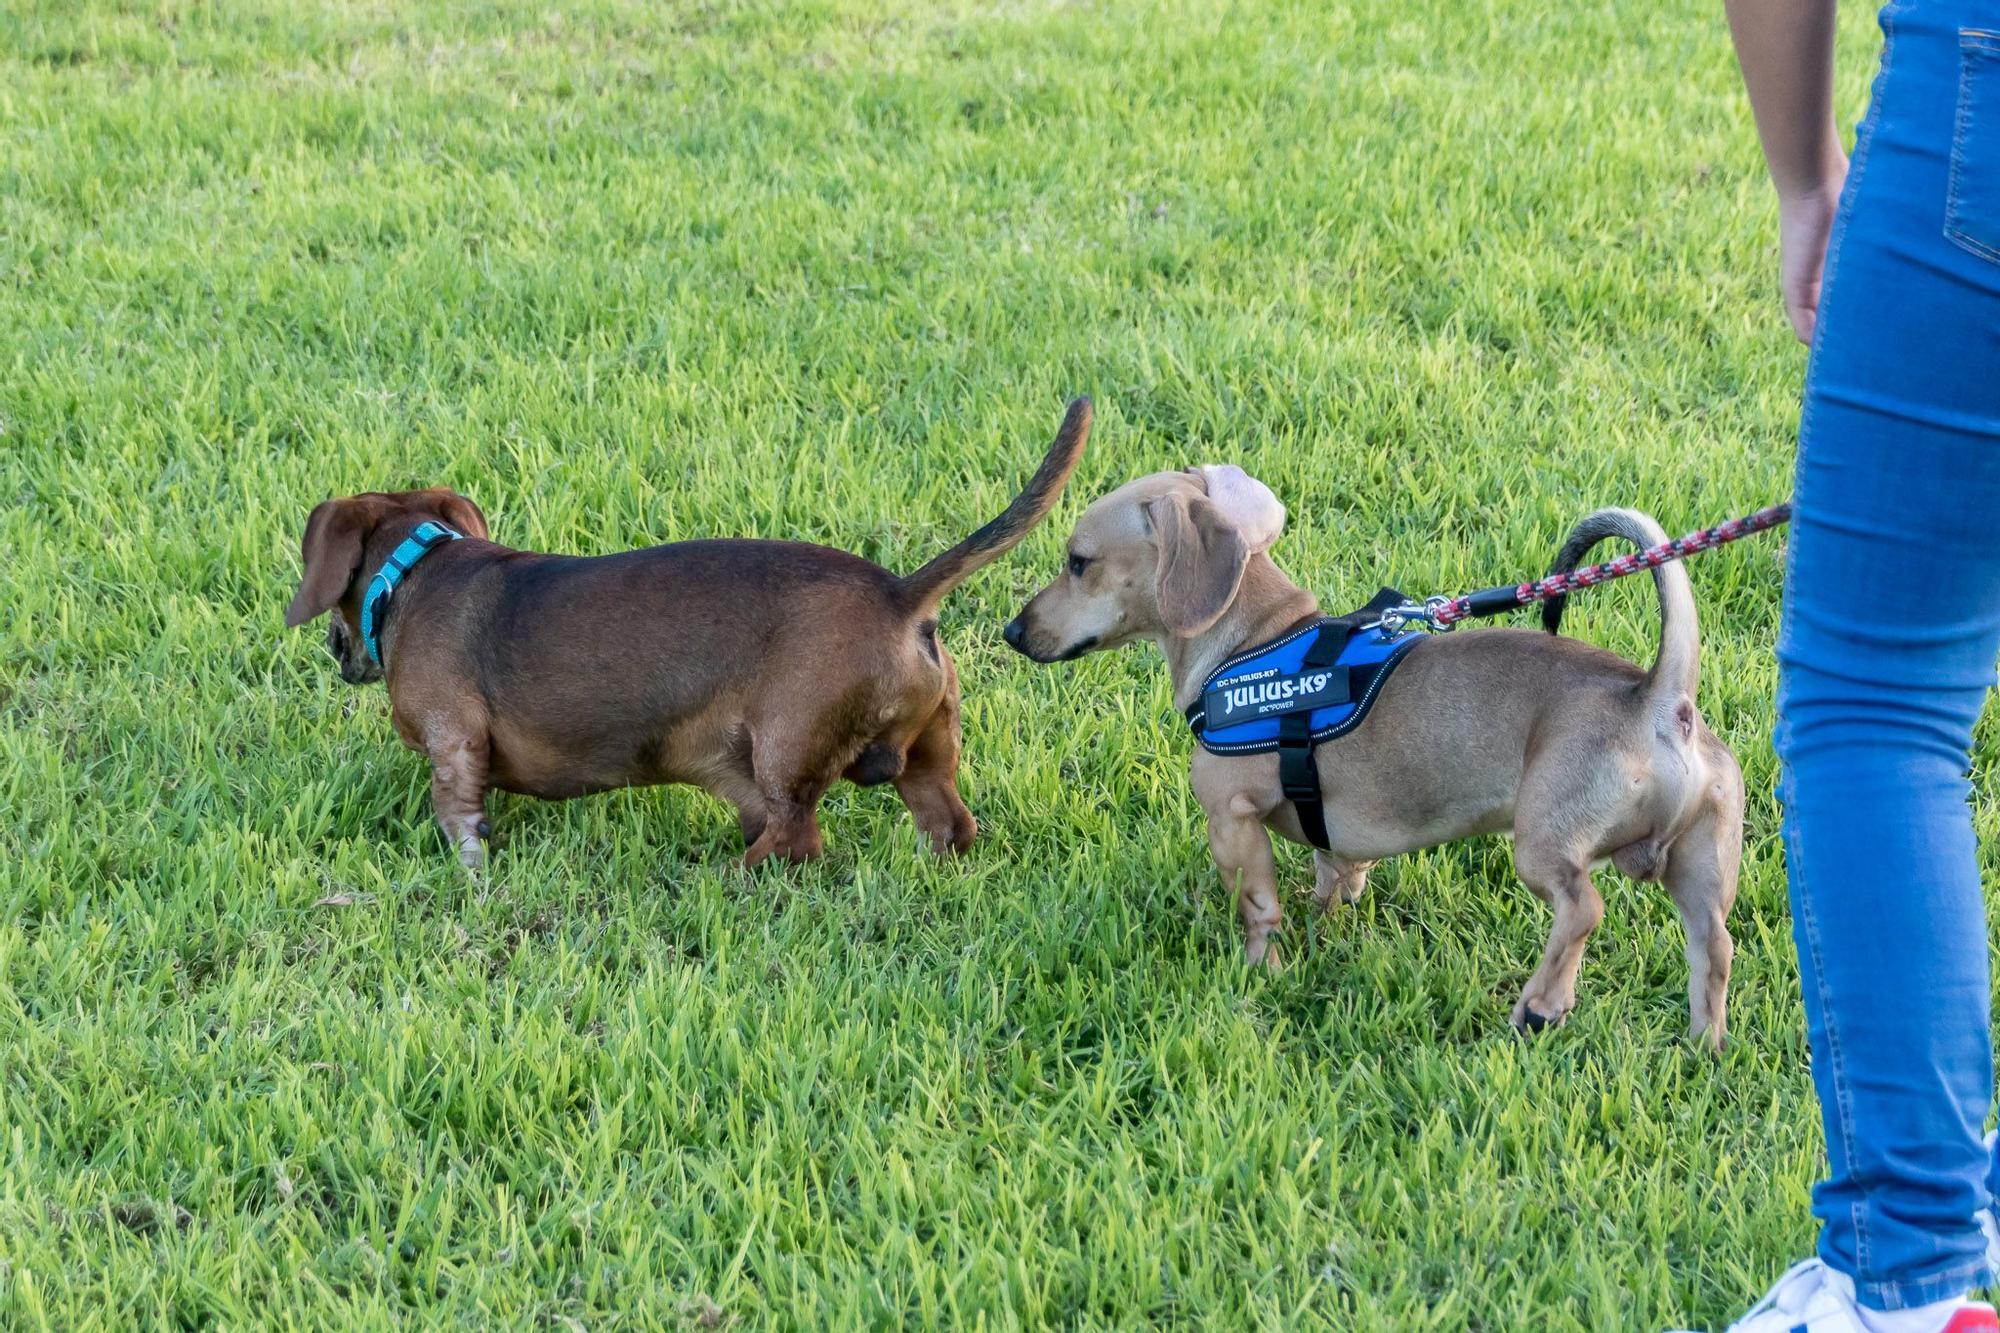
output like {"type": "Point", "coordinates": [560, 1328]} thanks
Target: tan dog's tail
{"type": "Point", "coordinates": [928, 586]}
{"type": "Point", "coordinates": [1676, 668]}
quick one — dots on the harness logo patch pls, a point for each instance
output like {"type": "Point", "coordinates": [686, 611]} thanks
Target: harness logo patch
{"type": "Point", "coordinates": [1268, 694]}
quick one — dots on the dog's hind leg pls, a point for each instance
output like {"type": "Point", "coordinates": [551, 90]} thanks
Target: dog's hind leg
{"type": "Point", "coordinates": [1242, 850]}
{"type": "Point", "coordinates": [1562, 881]}
{"type": "Point", "coordinates": [928, 783]}
{"type": "Point", "coordinates": [1334, 878]}
{"type": "Point", "coordinates": [1701, 875]}
{"type": "Point", "coordinates": [458, 790]}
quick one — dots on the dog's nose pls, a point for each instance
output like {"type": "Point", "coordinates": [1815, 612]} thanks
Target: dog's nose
{"type": "Point", "coordinates": [1014, 633]}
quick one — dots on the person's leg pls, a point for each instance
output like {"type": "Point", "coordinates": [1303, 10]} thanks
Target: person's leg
{"type": "Point", "coordinates": [1891, 627]}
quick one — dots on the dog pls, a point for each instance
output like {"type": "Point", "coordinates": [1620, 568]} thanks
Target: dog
{"type": "Point", "coordinates": [761, 671]}
{"type": "Point", "coordinates": [1582, 756]}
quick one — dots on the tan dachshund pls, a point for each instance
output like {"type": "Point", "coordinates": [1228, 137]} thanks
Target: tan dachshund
{"type": "Point", "coordinates": [1581, 755]}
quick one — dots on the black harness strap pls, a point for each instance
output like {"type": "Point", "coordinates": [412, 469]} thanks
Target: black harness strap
{"type": "Point", "coordinates": [1297, 773]}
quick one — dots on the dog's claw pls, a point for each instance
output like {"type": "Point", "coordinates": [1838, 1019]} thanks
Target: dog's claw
{"type": "Point", "coordinates": [1534, 1022]}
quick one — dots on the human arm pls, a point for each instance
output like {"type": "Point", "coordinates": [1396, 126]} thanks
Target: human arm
{"type": "Point", "coordinates": [1785, 48]}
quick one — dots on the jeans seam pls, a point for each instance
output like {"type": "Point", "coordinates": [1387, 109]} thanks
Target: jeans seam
{"type": "Point", "coordinates": [1843, 1108]}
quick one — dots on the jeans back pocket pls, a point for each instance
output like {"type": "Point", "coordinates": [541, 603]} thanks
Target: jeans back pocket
{"type": "Point", "coordinates": [1972, 202]}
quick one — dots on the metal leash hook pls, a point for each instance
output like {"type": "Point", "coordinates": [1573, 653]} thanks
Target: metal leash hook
{"type": "Point", "coordinates": [1396, 617]}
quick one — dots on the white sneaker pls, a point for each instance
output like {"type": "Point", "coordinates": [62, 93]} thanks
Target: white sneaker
{"type": "Point", "coordinates": [1812, 1298]}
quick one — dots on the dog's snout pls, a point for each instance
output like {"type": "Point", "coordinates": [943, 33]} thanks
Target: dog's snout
{"type": "Point", "coordinates": [1015, 632]}
{"type": "Point", "coordinates": [355, 666]}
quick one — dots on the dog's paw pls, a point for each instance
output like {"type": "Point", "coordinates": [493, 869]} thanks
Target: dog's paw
{"type": "Point", "coordinates": [953, 838]}
{"type": "Point", "coordinates": [1338, 881]}
{"type": "Point", "coordinates": [1710, 1038]}
{"type": "Point", "coordinates": [794, 850]}
{"type": "Point", "coordinates": [1265, 954]}
{"type": "Point", "coordinates": [1528, 1020]}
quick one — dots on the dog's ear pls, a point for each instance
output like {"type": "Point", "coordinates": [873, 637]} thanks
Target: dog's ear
{"type": "Point", "coordinates": [1246, 502]}
{"type": "Point", "coordinates": [462, 514]}
{"type": "Point", "coordinates": [1202, 555]}
{"type": "Point", "coordinates": [332, 551]}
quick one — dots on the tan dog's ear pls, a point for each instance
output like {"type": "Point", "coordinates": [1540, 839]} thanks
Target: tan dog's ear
{"type": "Point", "coordinates": [332, 550]}
{"type": "Point", "coordinates": [464, 515]}
{"type": "Point", "coordinates": [1202, 556]}
{"type": "Point", "coordinates": [1246, 502]}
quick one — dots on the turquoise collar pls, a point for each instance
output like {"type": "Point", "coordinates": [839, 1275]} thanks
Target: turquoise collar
{"type": "Point", "coordinates": [375, 605]}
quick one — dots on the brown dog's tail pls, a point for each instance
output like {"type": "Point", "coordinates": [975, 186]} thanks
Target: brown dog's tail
{"type": "Point", "coordinates": [1675, 670]}
{"type": "Point", "coordinates": [928, 586]}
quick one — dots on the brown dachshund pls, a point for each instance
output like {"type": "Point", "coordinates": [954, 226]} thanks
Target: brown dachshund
{"type": "Point", "coordinates": [759, 670]}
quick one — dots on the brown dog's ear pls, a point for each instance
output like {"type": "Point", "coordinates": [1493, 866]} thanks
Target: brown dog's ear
{"type": "Point", "coordinates": [1202, 557]}
{"type": "Point", "coordinates": [462, 514]}
{"type": "Point", "coordinates": [332, 550]}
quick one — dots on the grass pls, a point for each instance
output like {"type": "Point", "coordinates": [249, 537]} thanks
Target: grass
{"type": "Point", "coordinates": [1445, 274]}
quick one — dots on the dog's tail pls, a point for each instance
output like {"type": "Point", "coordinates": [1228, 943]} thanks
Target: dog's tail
{"type": "Point", "coordinates": [928, 586]}
{"type": "Point", "coordinates": [1675, 671]}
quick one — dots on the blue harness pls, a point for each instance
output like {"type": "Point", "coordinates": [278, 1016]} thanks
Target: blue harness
{"type": "Point", "coordinates": [1309, 686]}
{"type": "Point", "coordinates": [375, 603]}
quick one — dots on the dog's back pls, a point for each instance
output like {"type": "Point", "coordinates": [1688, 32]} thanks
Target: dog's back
{"type": "Point", "coordinates": [617, 670]}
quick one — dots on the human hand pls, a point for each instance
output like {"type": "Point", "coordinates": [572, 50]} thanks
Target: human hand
{"type": "Point", "coordinates": [1805, 221]}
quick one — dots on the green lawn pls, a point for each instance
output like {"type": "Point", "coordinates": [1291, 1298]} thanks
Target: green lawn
{"type": "Point", "coordinates": [1445, 273]}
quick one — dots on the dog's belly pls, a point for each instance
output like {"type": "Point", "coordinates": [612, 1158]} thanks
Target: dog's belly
{"type": "Point", "coordinates": [550, 775]}
{"type": "Point", "coordinates": [1396, 801]}
{"type": "Point", "coordinates": [582, 759]}
{"type": "Point", "coordinates": [1359, 837]}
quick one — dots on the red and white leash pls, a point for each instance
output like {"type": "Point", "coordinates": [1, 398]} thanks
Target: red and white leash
{"type": "Point", "coordinates": [1442, 613]}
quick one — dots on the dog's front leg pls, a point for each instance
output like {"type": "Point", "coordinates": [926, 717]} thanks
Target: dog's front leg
{"type": "Point", "coordinates": [1335, 878]}
{"type": "Point", "coordinates": [458, 793]}
{"type": "Point", "coordinates": [735, 784]}
{"type": "Point", "coordinates": [1242, 850]}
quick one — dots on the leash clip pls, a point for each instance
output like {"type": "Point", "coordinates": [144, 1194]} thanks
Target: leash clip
{"type": "Point", "coordinates": [1396, 617]}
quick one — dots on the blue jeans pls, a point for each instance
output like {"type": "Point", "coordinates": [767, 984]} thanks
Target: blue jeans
{"type": "Point", "coordinates": [1891, 627]}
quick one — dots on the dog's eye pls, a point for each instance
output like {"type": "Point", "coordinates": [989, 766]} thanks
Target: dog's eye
{"type": "Point", "coordinates": [1079, 563]}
